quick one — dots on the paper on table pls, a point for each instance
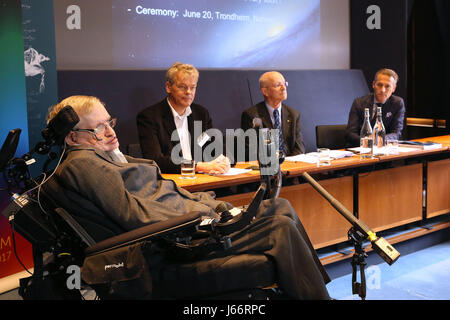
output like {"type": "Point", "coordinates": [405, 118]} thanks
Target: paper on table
{"type": "Point", "coordinates": [339, 154]}
{"type": "Point", "coordinates": [308, 158]}
{"type": "Point", "coordinates": [421, 146]}
{"type": "Point", "coordinates": [384, 150]}
{"type": "Point", "coordinates": [234, 172]}
{"type": "Point", "coordinates": [312, 157]}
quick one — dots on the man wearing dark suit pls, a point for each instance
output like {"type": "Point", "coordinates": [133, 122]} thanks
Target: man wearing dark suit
{"type": "Point", "coordinates": [274, 89]}
{"type": "Point", "coordinates": [170, 124]}
{"type": "Point", "coordinates": [392, 107]}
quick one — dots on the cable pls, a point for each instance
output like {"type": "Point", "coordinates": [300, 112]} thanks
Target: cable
{"type": "Point", "coordinates": [40, 205]}
{"type": "Point", "coordinates": [45, 180]}
{"type": "Point", "coordinates": [14, 247]}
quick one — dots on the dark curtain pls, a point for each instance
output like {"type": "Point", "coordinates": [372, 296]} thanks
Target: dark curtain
{"type": "Point", "coordinates": [443, 15]}
{"type": "Point", "coordinates": [429, 61]}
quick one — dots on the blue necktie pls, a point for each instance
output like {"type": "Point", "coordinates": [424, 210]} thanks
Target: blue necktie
{"type": "Point", "coordinates": [276, 117]}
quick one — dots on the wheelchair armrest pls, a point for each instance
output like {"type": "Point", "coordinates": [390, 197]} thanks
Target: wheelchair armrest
{"type": "Point", "coordinates": [76, 227]}
{"type": "Point", "coordinates": [145, 232]}
{"type": "Point", "coordinates": [244, 218]}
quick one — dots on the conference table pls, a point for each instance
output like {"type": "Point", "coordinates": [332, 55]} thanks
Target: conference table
{"type": "Point", "coordinates": [384, 192]}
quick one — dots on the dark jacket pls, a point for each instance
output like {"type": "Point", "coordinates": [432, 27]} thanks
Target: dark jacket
{"type": "Point", "coordinates": [155, 126]}
{"type": "Point", "coordinates": [290, 125]}
{"type": "Point", "coordinates": [393, 113]}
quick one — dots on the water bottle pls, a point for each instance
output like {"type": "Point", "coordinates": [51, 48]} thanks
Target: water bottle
{"type": "Point", "coordinates": [366, 137]}
{"type": "Point", "coordinates": [379, 132]}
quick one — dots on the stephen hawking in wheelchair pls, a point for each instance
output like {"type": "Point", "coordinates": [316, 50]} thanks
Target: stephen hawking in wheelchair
{"type": "Point", "coordinates": [108, 223]}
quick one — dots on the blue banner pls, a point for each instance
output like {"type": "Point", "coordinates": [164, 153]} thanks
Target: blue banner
{"type": "Point", "coordinates": [13, 114]}
{"type": "Point", "coordinates": [28, 87]}
{"type": "Point", "coordinates": [40, 68]}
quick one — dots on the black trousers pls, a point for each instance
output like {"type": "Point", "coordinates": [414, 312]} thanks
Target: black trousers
{"type": "Point", "coordinates": [278, 233]}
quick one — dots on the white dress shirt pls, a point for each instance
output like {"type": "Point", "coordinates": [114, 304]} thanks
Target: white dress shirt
{"type": "Point", "coordinates": [118, 156]}
{"type": "Point", "coordinates": [183, 131]}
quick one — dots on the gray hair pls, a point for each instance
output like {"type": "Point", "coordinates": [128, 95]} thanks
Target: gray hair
{"type": "Point", "coordinates": [387, 72]}
{"type": "Point", "coordinates": [81, 104]}
{"type": "Point", "coordinates": [180, 67]}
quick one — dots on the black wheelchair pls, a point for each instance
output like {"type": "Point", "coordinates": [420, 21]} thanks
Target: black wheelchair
{"type": "Point", "coordinates": [165, 260]}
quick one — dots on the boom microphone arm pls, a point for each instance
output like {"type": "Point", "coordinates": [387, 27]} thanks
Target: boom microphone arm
{"type": "Point", "coordinates": [357, 234]}
{"type": "Point", "coordinates": [380, 245]}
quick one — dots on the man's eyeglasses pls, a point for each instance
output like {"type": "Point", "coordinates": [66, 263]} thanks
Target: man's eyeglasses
{"type": "Point", "coordinates": [279, 84]}
{"type": "Point", "coordinates": [185, 88]}
{"type": "Point", "coordinates": [100, 129]}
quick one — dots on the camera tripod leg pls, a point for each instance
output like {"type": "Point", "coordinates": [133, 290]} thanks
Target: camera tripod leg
{"type": "Point", "coordinates": [359, 287]}
{"type": "Point", "coordinates": [358, 259]}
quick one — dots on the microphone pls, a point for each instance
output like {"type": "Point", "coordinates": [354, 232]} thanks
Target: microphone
{"type": "Point", "coordinates": [58, 128]}
{"type": "Point", "coordinates": [263, 147]}
{"type": "Point", "coordinates": [257, 123]}
{"type": "Point", "coordinates": [250, 92]}
{"type": "Point", "coordinates": [252, 153]}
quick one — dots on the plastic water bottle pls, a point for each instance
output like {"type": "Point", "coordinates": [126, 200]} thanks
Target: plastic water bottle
{"type": "Point", "coordinates": [366, 138]}
{"type": "Point", "coordinates": [379, 132]}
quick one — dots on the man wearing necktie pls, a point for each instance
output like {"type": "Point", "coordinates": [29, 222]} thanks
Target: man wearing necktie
{"type": "Point", "coordinates": [274, 114]}
{"type": "Point", "coordinates": [392, 108]}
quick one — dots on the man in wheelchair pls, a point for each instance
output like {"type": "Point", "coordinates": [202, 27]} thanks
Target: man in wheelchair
{"type": "Point", "coordinates": [110, 194]}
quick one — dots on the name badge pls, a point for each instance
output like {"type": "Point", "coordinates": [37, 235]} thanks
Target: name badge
{"type": "Point", "coordinates": [202, 139]}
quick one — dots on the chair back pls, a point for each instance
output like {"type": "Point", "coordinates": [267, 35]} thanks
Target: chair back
{"type": "Point", "coordinates": [134, 150]}
{"type": "Point", "coordinates": [331, 136]}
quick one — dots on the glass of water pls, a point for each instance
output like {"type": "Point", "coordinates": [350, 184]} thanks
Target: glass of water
{"type": "Point", "coordinates": [392, 146]}
{"type": "Point", "coordinates": [324, 158]}
{"type": "Point", "coordinates": [187, 169]}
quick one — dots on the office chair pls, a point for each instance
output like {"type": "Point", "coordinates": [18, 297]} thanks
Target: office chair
{"type": "Point", "coordinates": [331, 136]}
{"type": "Point", "coordinates": [134, 150]}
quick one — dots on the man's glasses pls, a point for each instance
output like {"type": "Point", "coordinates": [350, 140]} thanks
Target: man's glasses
{"type": "Point", "coordinates": [279, 84]}
{"type": "Point", "coordinates": [100, 129]}
{"type": "Point", "coordinates": [186, 88]}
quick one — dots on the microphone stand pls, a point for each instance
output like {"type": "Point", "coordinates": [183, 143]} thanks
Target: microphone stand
{"type": "Point", "coordinates": [269, 167]}
{"type": "Point", "coordinates": [278, 177]}
{"type": "Point", "coordinates": [269, 163]}
{"type": "Point", "coordinates": [357, 234]}
{"type": "Point", "coordinates": [264, 145]}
